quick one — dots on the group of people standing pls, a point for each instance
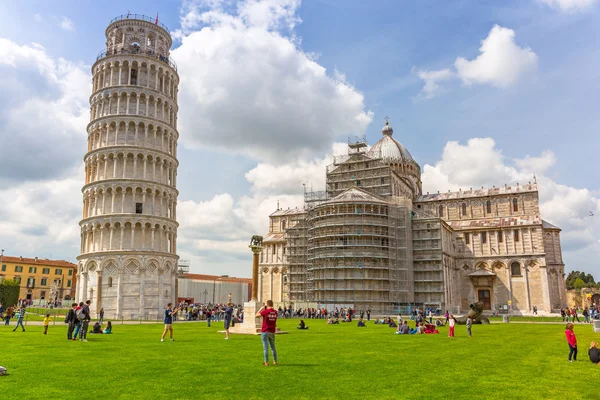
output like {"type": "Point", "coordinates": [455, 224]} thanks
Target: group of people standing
{"type": "Point", "coordinates": [571, 314]}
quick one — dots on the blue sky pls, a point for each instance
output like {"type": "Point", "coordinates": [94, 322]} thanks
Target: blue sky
{"type": "Point", "coordinates": [343, 66]}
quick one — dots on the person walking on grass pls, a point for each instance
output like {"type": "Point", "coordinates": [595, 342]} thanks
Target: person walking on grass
{"type": "Point", "coordinates": [572, 341]}
{"type": "Point", "coordinates": [85, 320]}
{"type": "Point", "coordinates": [227, 319]}
{"type": "Point", "coordinates": [269, 327]}
{"type": "Point", "coordinates": [169, 313]}
{"type": "Point", "coordinates": [101, 319]}
{"type": "Point", "coordinates": [451, 323]}
{"type": "Point", "coordinates": [46, 323]}
{"type": "Point", "coordinates": [71, 319]}
{"type": "Point", "coordinates": [469, 325]}
{"type": "Point", "coordinates": [20, 319]}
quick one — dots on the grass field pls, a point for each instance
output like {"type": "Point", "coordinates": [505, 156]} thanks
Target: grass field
{"type": "Point", "coordinates": [501, 361]}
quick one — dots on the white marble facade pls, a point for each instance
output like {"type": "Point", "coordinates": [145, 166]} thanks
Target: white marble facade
{"type": "Point", "coordinates": [128, 260]}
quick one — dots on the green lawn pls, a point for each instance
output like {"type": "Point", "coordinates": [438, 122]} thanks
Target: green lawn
{"type": "Point", "coordinates": [501, 361]}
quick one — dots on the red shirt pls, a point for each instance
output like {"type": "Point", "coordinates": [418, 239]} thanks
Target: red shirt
{"type": "Point", "coordinates": [571, 337]}
{"type": "Point", "coordinates": [269, 320]}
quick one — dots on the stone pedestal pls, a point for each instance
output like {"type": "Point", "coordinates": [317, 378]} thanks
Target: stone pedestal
{"type": "Point", "coordinates": [251, 324]}
{"type": "Point", "coordinates": [597, 325]}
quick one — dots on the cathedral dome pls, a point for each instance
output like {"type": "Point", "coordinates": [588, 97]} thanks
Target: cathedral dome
{"type": "Point", "coordinates": [389, 149]}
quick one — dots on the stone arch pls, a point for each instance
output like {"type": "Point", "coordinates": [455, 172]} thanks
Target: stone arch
{"type": "Point", "coordinates": [132, 265]}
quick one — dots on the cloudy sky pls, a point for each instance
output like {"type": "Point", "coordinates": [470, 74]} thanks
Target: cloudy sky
{"type": "Point", "coordinates": [482, 93]}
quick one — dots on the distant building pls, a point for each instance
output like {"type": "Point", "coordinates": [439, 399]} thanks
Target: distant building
{"type": "Point", "coordinates": [204, 289]}
{"type": "Point", "coordinates": [41, 280]}
{"type": "Point", "coordinates": [373, 240]}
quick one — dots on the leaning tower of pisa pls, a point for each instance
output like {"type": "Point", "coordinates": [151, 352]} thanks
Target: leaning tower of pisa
{"type": "Point", "coordinates": [128, 260]}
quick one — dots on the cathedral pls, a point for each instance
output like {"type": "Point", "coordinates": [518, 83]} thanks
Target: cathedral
{"type": "Point", "coordinates": [373, 240]}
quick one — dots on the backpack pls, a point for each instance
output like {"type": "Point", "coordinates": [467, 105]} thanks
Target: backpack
{"type": "Point", "coordinates": [80, 314]}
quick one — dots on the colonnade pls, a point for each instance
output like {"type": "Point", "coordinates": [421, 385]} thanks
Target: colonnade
{"type": "Point", "coordinates": [140, 166]}
{"type": "Point", "coordinates": [125, 102]}
{"type": "Point", "coordinates": [128, 235]}
{"type": "Point", "coordinates": [132, 133]}
{"type": "Point", "coordinates": [120, 200]}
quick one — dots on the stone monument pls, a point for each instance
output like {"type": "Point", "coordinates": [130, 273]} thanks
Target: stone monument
{"type": "Point", "coordinates": [251, 324]}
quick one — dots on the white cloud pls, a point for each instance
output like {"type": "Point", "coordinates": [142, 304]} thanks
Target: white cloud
{"type": "Point", "coordinates": [43, 111]}
{"type": "Point", "coordinates": [257, 93]}
{"type": "Point", "coordinates": [501, 62]}
{"type": "Point", "coordinates": [38, 18]}
{"type": "Point", "coordinates": [66, 24]}
{"type": "Point", "coordinates": [480, 163]}
{"type": "Point", "coordinates": [570, 5]}
{"type": "Point", "coordinates": [432, 80]}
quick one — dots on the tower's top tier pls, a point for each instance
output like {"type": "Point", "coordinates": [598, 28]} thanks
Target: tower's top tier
{"type": "Point", "coordinates": [135, 34]}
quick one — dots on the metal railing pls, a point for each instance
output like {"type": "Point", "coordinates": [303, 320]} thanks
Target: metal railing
{"type": "Point", "coordinates": [148, 53]}
{"type": "Point", "coordinates": [142, 18]}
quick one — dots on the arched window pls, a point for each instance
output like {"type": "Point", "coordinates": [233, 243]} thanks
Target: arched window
{"type": "Point", "coordinates": [515, 269]}
{"type": "Point", "coordinates": [515, 205]}
{"type": "Point", "coordinates": [488, 207]}
{"type": "Point", "coordinates": [441, 211]}
{"type": "Point", "coordinates": [464, 209]}
{"type": "Point", "coordinates": [110, 281]}
{"type": "Point", "coordinates": [133, 77]}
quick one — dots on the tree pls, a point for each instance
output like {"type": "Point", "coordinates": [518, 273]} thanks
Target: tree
{"type": "Point", "coordinates": [9, 292]}
{"type": "Point", "coordinates": [573, 276]}
{"type": "Point", "coordinates": [579, 284]}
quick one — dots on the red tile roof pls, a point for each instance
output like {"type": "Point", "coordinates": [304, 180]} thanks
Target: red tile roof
{"type": "Point", "coordinates": [38, 261]}
{"type": "Point", "coordinates": [201, 277]}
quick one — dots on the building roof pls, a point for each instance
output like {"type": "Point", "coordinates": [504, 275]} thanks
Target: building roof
{"type": "Point", "coordinates": [354, 195]}
{"type": "Point", "coordinates": [389, 149]}
{"type": "Point", "coordinates": [289, 211]}
{"type": "Point", "coordinates": [502, 222]}
{"type": "Point", "coordinates": [202, 277]}
{"type": "Point", "coordinates": [38, 261]}
{"type": "Point", "coordinates": [274, 237]}
{"type": "Point", "coordinates": [548, 225]}
{"type": "Point", "coordinates": [531, 187]}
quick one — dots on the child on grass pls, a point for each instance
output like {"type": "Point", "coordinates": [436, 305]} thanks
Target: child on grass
{"type": "Point", "coordinates": [594, 353]}
{"type": "Point", "coordinates": [46, 323]}
{"type": "Point", "coordinates": [451, 322]}
{"type": "Point", "coordinates": [572, 340]}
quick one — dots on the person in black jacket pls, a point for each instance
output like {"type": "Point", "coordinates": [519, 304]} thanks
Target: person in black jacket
{"type": "Point", "coordinates": [594, 353]}
{"type": "Point", "coordinates": [72, 321]}
{"type": "Point", "coordinates": [86, 321]}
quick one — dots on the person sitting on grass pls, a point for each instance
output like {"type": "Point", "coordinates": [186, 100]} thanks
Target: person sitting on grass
{"type": "Point", "coordinates": [96, 329]}
{"type": "Point", "coordinates": [329, 321]}
{"type": "Point", "coordinates": [302, 325]}
{"type": "Point", "coordinates": [360, 322]}
{"type": "Point", "coordinates": [108, 329]}
{"type": "Point", "coordinates": [440, 322]}
{"type": "Point", "coordinates": [336, 321]}
{"type": "Point", "coordinates": [391, 323]}
{"type": "Point", "coordinates": [415, 330]}
{"type": "Point", "coordinates": [403, 329]}
{"type": "Point", "coordinates": [594, 353]}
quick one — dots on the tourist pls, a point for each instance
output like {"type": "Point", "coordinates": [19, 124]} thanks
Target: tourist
{"type": "Point", "coordinates": [8, 315]}
{"type": "Point", "coordinates": [399, 319]}
{"type": "Point", "coordinates": [227, 320]}
{"type": "Point", "coordinates": [391, 323]}
{"type": "Point", "coordinates": [574, 315]}
{"type": "Point", "coordinates": [108, 329]}
{"type": "Point", "coordinates": [451, 322]}
{"type": "Point", "coordinates": [469, 324]}
{"type": "Point", "coordinates": [586, 315]}
{"type": "Point", "coordinates": [71, 319]}
{"type": "Point", "coordinates": [403, 329]}
{"type": "Point", "coordinates": [534, 310]}
{"type": "Point", "coordinates": [20, 319]}
{"type": "Point", "coordinates": [572, 340]}
{"type": "Point", "coordinates": [85, 322]}
{"type": "Point", "coordinates": [77, 315]}
{"type": "Point", "coordinates": [360, 322]}
{"type": "Point", "coordinates": [208, 317]}
{"type": "Point", "coordinates": [329, 320]}
{"type": "Point", "coordinates": [594, 353]}
{"type": "Point", "coordinates": [101, 315]}
{"type": "Point", "coordinates": [447, 315]}
{"type": "Point", "coordinates": [96, 329]}
{"type": "Point", "coordinates": [269, 327]}
{"type": "Point", "coordinates": [430, 315]}
{"type": "Point", "coordinates": [563, 313]}
{"type": "Point", "coordinates": [302, 325]}
{"type": "Point", "coordinates": [368, 315]}
{"type": "Point", "coordinates": [169, 313]}
{"type": "Point", "coordinates": [46, 323]}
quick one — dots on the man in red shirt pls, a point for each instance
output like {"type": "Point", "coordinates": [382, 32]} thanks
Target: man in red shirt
{"type": "Point", "coordinates": [269, 326]}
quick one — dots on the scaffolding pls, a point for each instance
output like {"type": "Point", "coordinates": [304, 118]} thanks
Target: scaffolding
{"type": "Point", "coordinates": [296, 243]}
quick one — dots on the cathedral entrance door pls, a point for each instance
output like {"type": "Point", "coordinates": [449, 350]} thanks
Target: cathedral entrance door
{"type": "Point", "coordinates": [484, 297]}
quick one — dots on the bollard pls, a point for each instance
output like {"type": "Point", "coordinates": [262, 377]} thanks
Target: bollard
{"type": "Point", "coordinates": [505, 319]}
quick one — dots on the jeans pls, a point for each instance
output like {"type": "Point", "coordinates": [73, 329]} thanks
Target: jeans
{"type": "Point", "coordinates": [208, 321]}
{"type": "Point", "coordinates": [19, 322]}
{"type": "Point", "coordinates": [77, 328]}
{"type": "Point", "coordinates": [268, 339]}
{"type": "Point", "coordinates": [573, 352]}
{"type": "Point", "coordinates": [84, 327]}
{"type": "Point", "coordinates": [7, 321]}
{"type": "Point", "coordinates": [72, 326]}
